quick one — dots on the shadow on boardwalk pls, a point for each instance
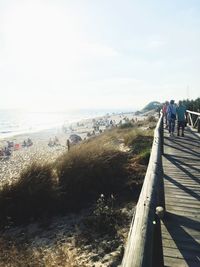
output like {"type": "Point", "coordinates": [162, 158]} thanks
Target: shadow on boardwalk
{"type": "Point", "coordinates": [186, 243]}
{"type": "Point", "coordinates": [181, 147]}
{"type": "Point", "coordinates": [181, 225]}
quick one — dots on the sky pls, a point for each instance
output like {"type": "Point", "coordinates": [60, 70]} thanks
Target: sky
{"type": "Point", "coordinates": [98, 54]}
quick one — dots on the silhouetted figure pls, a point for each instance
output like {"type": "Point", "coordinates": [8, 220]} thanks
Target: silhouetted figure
{"type": "Point", "coordinates": [50, 142]}
{"type": "Point", "coordinates": [7, 151]}
{"type": "Point", "coordinates": [164, 110]}
{"type": "Point", "coordinates": [181, 115]}
{"type": "Point", "coordinates": [24, 143]}
{"type": "Point", "coordinates": [68, 144]}
{"type": "Point", "coordinates": [171, 117]}
{"type": "Point", "coordinates": [56, 141]}
{"type": "Point", "coordinates": [29, 142]}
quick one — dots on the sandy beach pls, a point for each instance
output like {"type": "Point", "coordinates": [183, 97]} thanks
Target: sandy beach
{"type": "Point", "coordinates": [40, 151]}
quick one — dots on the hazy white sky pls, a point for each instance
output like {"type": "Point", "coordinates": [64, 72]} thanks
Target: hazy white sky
{"type": "Point", "coordinates": [63, 54]}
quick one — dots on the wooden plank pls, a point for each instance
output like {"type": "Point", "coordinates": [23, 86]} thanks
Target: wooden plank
{"type": "Point", "coordinates": [185, 175]}
{"type": "Point", "coordinates": [186, 189]}
{"type": "Point", "coordinates": [173, 228]}
{"type": "Point", "coordinates": [179, 198]}
{"type": "Point", "coordinates": [185, 179]}
{"type": "Point", "coordinates": [180, 238]}
{"type": "Point", "coordinates": [177, 208]}
{"type": "Point", "coordinates": [183, 204]}
{"type": "Point", "coordinates": [192, 215]}
{"type": "Point", "coordinates": [174, 262]}
{"type": "Point", "coordinates": [175, 185]}
{"type": "Point", "coordinates": [190, 184]}
{"type": "Point", "coordinates": [183, 193]}
{"type": "Point", "coordinates": [183, 254]}
{"type": "Point", "coordinates": [189, 245]}
{"type": "Point", "coordinates": [186, 199]}
{"type": "Point", "coordinates": [175, 179]}
{"type": "Point", "coordinates": [175, 233]}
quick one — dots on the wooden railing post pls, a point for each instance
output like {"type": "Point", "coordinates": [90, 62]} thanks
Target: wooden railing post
{"type": "Point", "coordinates": [158, 259]}
{"type": "Point", "coordinates": [161, 132]}
{"type": "Point", "coordinates": [161, 189]}
{"type": "Point", "coordinates": [198, 125]}
{"type": "Point", "coordinates": [194, 119]}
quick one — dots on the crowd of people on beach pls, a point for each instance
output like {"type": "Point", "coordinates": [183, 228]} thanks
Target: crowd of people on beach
{"type": "Point", "coordinates": [53, 142]}
{"type": "Point", "coordinates": [27, 143]}
{"type": "Point", "coordinates": [172, 112]}
{"type": "Point", "coordinates": [6, 150]}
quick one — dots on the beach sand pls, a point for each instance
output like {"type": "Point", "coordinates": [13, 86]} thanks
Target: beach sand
{"type": "Point", "coordinates": [11, 166]}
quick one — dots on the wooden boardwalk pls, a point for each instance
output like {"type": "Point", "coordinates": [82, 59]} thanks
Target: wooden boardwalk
{"type": "Point", "coordinates": [181, 225]}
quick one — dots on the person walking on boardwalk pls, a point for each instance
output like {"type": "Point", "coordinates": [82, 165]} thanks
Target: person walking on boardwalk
{"type": "Point", "coordinates": [164, 110]}
{"type": "Point", "coordinates": [171, 117]}
{"type": "Point", "coordinates": [181, 116]}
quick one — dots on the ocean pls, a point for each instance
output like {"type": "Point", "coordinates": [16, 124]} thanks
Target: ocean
{"type": "Point", "coordinates": [13, 122]}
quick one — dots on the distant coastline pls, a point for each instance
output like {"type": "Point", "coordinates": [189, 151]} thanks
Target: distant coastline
{"type": "Point", "coordinates": [15, 123]}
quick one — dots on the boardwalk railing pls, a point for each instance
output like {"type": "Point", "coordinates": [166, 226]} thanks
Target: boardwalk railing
{"type": "Point", "coordinates": [194, 119]}
{"type": "Point", "coordinates": [144, 245]}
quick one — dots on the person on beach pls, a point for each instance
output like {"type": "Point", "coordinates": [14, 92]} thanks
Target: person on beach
{"type": "Point", "coordinates": [68, 144]}
{"type": "Point", "coordinates": [29, 142]}
{"type": "Point", "coordinates": [50, 142]}
{"type": "Point", "coordinates": [7, 152]}
{"type": "Point", "coordinates": [164, 110]}
{"type": "Point", "coordinates": [181, 116]}
{"type": "Point", "coordinates": [171, 117]}
{"type": "Point", "coordinates": [10, 144]}
{"type": "Point", "coordinates": [56, 141]}
{"type": "Point", "coordinates": [24, 143]}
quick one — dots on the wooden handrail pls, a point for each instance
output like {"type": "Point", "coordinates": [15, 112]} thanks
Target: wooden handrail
{"type": "Point", "coordinates": [144, 245]}
{"type": "Point", "coordinates": [193, 119]}
{"type": "Point", "coordinates": [193, 112]}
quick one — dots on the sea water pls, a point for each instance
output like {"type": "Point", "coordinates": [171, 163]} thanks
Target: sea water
{"type": "Point", "coordinates": [14, 122]}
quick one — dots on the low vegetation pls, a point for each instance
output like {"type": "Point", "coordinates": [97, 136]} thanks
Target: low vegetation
{"type": "Point", "coordinates": [32, 196]}
{"type": "Point", "coordinates": [88, 171]}
{"type": "Point", "coordinates": [101, 175]}
{"type": "Point", "coordinates": [15, 254]}
{"type": "Point", "coordinates": [76, 179]}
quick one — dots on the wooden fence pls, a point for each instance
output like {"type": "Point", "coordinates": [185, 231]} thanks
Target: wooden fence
{"type": "Point", "coordinates": [144, 245]}
{"type": "Point", "coordinates": [193, 119]}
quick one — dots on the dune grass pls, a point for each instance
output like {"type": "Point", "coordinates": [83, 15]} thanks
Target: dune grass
{"type": "Point", "coordinates": [33, 195]}
{"type": "Point", "coordinates": [89, 170]}
{"type": "Point", "coordinates": [13, 254]}
{"type": "Point", "coordinates": [78, 177]}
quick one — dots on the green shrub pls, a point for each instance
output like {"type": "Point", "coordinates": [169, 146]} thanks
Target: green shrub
{"type": "Point", "coordinates": [141, 143]}
{"type": "Point", "coordinates": [143, 157]}
{"type": "Point", "coordinates": [138, 140]}
{"type": "Point", "coordinates": [126, 125]}
{"type": "Point", "coordinates": [104, 218]}
{"type": "Point", "coordinates": [151, 118]}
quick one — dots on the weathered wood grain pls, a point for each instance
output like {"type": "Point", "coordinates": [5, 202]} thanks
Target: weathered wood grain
{"type": "Point", "coordinates": [144, 246]}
